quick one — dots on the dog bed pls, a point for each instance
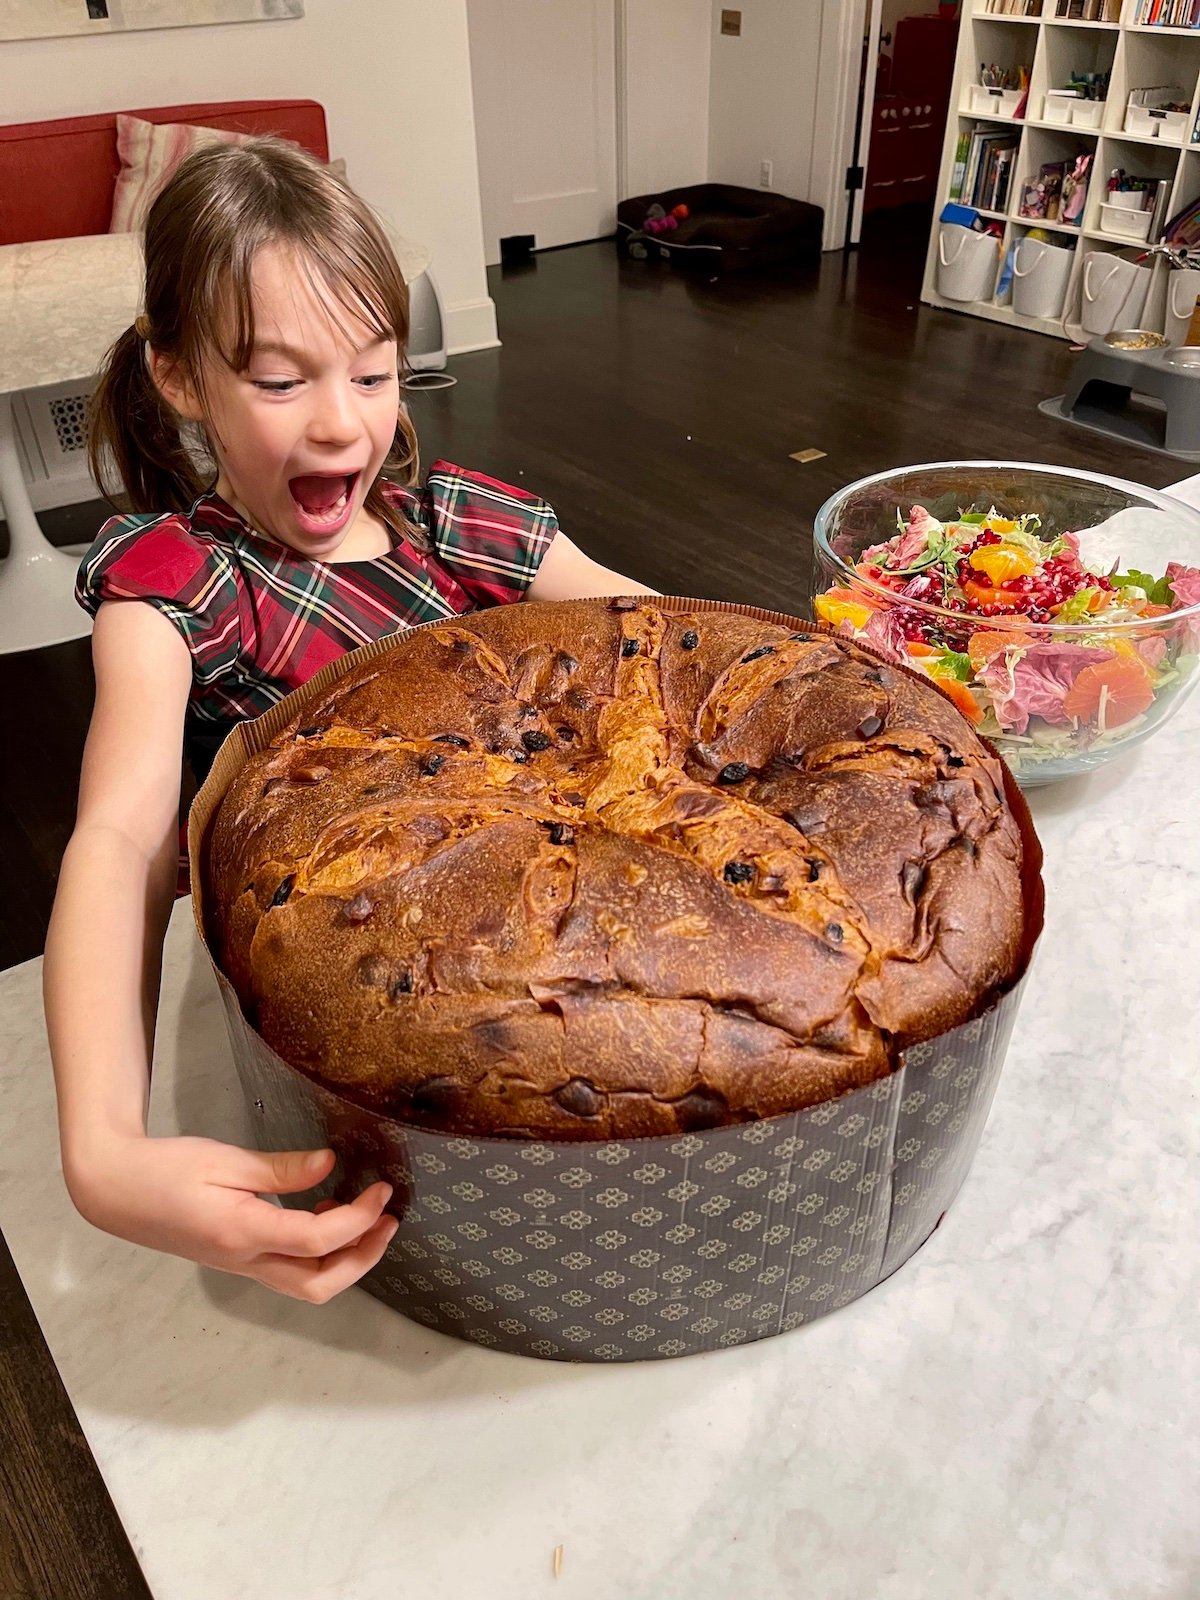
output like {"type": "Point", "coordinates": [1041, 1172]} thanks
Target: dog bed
{"type": "Point", "coordinates": [727, 229]}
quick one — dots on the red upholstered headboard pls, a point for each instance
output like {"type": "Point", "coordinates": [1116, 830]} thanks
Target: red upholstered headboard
{"type": "Point", "coordinates": [57, 178]}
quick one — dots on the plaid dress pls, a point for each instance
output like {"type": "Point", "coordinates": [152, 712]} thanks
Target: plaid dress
{"type": "Point", "coordinates": [261, 620]}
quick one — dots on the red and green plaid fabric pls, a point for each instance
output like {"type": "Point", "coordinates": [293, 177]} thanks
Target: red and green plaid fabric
{"type": "Point", "coordinates": [261, 620]}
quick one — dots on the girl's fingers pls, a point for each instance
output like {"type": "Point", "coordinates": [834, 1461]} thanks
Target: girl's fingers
{"type": "Point", "coordinates": [322, 1206]}
{"type": "Point", "coordinates": [271, 1230]}
{"type": "Point", "coordinates": [318, 1281]}
{"type": "Point", "coordinates": [272, 1171]}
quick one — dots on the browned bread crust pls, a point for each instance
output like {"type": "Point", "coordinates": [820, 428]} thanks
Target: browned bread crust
{"type": "Point", "coordinates": [595, 870]}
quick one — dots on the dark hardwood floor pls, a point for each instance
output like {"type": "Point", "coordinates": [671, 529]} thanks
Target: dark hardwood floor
{"type": "Point", "coordinates": [60, 1536]}
{"type": "Point", "coordinates": [658, 415]}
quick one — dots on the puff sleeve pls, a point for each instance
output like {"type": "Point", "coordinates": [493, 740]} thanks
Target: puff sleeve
{"type": "Point", "coordinates": [490, 536]}
{"type": "Point", "coordinates": [190, 579]}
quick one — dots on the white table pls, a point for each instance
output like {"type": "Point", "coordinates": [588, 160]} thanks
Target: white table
{"type": "Point", "coordinates": [62, 303]}
{"type": "Point", "coordinates": [1015, 1414]}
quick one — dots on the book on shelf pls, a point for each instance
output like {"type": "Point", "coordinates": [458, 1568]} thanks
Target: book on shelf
{"type": "Point", "coordinates": [1167, 14]}
{"type": "Point", "coordinates": [1088, 10]}
{"type": "Point", "coordinates": [1003, 181]}
{"type": "Point", "coordinates": [1014, 8]}
{"type": "Point", "coordinates": [985, 178]}
{"type": "Point", "coordinates": [961, 151]}
{"type": "Point", "coordinates": [994, 176]}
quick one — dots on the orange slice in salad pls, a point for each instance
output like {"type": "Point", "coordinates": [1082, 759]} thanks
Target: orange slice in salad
{"type": "Point", "coordinates": [961, 696]}
{"type": "Point", "coordinates": [1123, 687]}
{"type": "Point", "coordinates": [1098, 600]}
{"type": "Point", "coordinates": [1130, 652]}
{"type": "Point", "coordinates": [842, 605]}
{"type": "Point", "coordinates": [987, 594]}
{"type": "Point", "coordinates": [1000, 562]}
{"type": "Point", "coordinates": [989, 642]}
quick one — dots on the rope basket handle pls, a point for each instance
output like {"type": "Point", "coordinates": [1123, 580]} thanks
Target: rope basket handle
{"type": "Point", "coordinates": [962, 245]}
{"type": "Point", "coordinates": [1114, 266]}
{"type": "Point", "coordinates": [1017, 273]}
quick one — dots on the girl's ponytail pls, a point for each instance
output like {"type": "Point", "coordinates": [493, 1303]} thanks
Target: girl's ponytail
{"type": "Point", "coordinates": [133, 432]}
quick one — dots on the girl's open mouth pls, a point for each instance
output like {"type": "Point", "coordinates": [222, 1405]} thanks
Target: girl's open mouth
{"type": "Point", "coordinates": [322, 500]}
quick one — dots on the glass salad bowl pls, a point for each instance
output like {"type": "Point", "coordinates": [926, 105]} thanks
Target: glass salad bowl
{"type": "Point", "coordinates": [1059, 610]}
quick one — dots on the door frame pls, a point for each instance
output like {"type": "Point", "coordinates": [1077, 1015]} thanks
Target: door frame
{"type": "Point", "coordinates": [844, 25]}
{"type": "Point", "coordinates": [621, 87]}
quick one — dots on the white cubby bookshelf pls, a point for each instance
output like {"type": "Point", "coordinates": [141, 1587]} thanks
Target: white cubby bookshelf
{"type": "Point", "coordinates": [1137, 56]}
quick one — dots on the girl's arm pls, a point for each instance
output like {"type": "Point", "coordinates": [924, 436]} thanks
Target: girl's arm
{"type": "Point", "coordinates": [567, 574]}
{"type": "Point", "coordinates": [193, 1197]}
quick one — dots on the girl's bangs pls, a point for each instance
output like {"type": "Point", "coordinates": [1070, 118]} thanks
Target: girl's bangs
{"type": "Point", "coordinates": [360, 284]}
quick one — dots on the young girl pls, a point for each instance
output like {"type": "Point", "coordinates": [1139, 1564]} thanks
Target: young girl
{"type": "Point", "coordinates": [273, 333]}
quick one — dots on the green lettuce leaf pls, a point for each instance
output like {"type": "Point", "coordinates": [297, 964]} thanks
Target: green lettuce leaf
{"type": "Point", "coordinates": [952, 664]}
{"type": "Point", "coordinates": [1158, 590]}
{"type": "Point", "coordinates": [1078, 607]}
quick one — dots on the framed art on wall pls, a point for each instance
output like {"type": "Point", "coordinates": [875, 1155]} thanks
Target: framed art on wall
{"type": "Point", "coordinates": [44, 19]}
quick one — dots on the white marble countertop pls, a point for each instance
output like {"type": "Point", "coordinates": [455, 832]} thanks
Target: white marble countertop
{"type": "Point", "coordinates": [62, 303]}
{"type": "Point", "coordinates": [1014, 1416]}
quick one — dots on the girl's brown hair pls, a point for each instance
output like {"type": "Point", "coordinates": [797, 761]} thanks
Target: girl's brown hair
{"type": "Point", "coordinates": [202, 235]}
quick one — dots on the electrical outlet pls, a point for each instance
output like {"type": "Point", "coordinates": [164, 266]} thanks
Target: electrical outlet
{"type": "Point", "coordinates": [766, 175]}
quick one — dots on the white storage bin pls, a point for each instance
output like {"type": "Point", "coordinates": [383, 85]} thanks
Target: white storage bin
{"type": "Point", "coordinates": [1087, 113]}
{"type": "Point", "coordinates": [1138, 120]}
{"type": "Point", "coordinates": [1057, 108]}
{"type": "Point", "coordinates": [1123, 224]}
{"type": "Point", "coordinates": [994, 102]}
{"type": "Point", "coordinates": [1040, 275]}
{"type": "Point", "coordinates": [1170, 125]}
{"type": "Point", "coordinates": [1183, 289]}
{"type": "Point", "coordinates": [1127, 199]}
{"type": "Point", "coordinates": [966, 263]}
{"type": "Point", "coordinates": [1114, 293]}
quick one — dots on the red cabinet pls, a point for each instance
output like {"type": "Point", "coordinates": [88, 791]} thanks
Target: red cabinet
{"type": "Point", "coordinates": [908, 123]}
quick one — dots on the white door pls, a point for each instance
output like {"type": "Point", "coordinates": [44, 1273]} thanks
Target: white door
{"type": "Point", "coordinates": [544, 77]}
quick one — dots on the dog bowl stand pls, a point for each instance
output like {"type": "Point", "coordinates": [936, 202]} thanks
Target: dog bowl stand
{"type": "Point", "coordinates": [1149, 398]}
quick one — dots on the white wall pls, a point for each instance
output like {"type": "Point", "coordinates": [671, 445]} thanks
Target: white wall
{"type": "Point", "coordinates": [763, 95]}
{"type": "Point", "coordinates": [394, 78]}
{"type": "Point", "coordinates": [785, 92]}
{"type": "Point", "coordinates": [666, 93]}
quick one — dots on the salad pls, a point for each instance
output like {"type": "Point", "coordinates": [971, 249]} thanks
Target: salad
{"type": "Point", "coordinates": [1044, 654]}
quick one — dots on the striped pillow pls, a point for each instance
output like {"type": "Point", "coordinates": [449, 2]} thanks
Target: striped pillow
{"type": "Point", "coordinates": [150, 152]}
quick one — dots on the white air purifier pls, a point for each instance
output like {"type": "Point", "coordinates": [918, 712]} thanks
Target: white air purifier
{"type": "Point", "coordinates": [426, 326]}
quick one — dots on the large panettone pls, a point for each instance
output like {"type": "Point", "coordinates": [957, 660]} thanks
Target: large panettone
{"type": "Point", "coordinates": [594, 870]}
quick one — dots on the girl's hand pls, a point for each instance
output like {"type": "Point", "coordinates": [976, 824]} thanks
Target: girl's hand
{"type": "Point", "coordinates": [199, 1199]}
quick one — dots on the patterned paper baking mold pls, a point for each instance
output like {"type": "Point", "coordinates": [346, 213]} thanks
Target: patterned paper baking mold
{"type": "Point", "coordinates": [646, 1248]}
